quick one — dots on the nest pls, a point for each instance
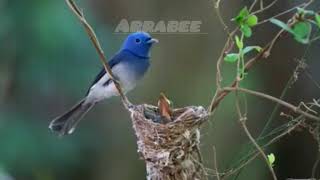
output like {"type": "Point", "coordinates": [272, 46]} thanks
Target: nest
{"type": "Point", "coordinates": [170, 148]}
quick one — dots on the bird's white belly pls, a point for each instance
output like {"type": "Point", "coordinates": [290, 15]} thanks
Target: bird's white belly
{"type": "Point", "coordinates": [100, 91]}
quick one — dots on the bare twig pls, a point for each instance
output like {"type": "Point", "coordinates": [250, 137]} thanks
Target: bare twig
{"type": "Point", "coordinates": [242, 120]}
{"type": "Point", "coordinates": [256, 153]}
{"type": "Point", "coordinates": [219, 95]}
{"type": "Point", "coordinates": [244, 126]}
{"type": "Point", "coordinates": [264, 53]}
{"type": "Point", "coordinates": [280, 14]}
{"type": "Point", "coordinates": [253, 4]}
{"type": "Point", "coordinates": [73, 6]}
{"type": "Point", "coordinates": [266, 7]}
{"type": "Point", "coordinates": [315, 167]}
{"type": "Point", "coordinates": [217, 9]}
{"type": "Point", "coordinates": [215, 163]}
{"type": "Point", "coordinates": [274, 99]}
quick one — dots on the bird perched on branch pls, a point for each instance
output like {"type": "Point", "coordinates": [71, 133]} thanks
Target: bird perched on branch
{"type": "Point", "coordinates": [128, 66]}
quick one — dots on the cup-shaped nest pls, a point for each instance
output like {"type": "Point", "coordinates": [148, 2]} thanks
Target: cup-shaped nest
{"type": "Point", "coordinates": [170, 148]}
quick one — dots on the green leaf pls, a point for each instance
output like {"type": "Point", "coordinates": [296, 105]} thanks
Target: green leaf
{"type": "Point", "coordinates": [252, 20]}
{"type": "Point", "coordinates": [250, 48]}
{"type": "Point", "coordinates": [317, 18]}
{"type": "Point", "coordinates": [239, 43]}
{"type": "Point", "coordinates": [232, 57]}
{"type": "Point", "coordinates": [281, 25]}
{"type": "Point", "coordinates": [271, 159]}
{"type": "Point", "coordinates": [246, 30]}
{"type": "Point", "coordinates": [242, 15]}
{"type": "Point", "coordinates": [302, 32]}
{"type": "Point", "coordinates": [304, 11]}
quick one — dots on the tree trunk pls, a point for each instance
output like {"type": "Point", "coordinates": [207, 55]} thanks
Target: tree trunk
{"type": "Point", "coordinates": [170, 149]}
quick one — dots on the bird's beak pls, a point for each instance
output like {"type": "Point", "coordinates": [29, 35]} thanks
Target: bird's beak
{"type": "Point", "coordinates": [151, 41]}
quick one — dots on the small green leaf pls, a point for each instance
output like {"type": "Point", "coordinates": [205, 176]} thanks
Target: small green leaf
{"type": "Point", "coordinates": [252, 20]}
{"type": "Point", "coordinates": [317, 18]}
{"type": "Point", "coordinates": [246, 30]}
{"type": "Point", "coordinates": [250, 48]}
{"type": "Point", "coordinates": [300, 10]}
{"type": "Point", "coordinates": [242, 15]}
{"type": "Point", "coordinates": [239, 43]}
{"type": "Point", "coordinates": [271, 159]}
{"type": "Point", "coordinates": [304, 11]}
{"type": "Point", "coordinates": [281, 25]}
{"type": "Point", "coordinates": [302, 32]}
{"type": "Point", "coordinates": [232, 57]}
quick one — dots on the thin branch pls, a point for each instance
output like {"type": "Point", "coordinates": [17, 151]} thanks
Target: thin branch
{"type": "Point", "coordinates": [265, 8]}
{"type": "Point", "coordinates": [297, 122]}
{"type": "Point", "coordinates": [283, 93]}
{"type": "Point", "coordinates": [281, 14]}
{"type": "Point", "coordinates": [261, 4]}
{"type": "Point", "coordinates": [274, 99]}
{"type": "Point", "coordinates": [253, 4]}
{"type": "Point", "coordinates": [264, 53]}
{"type": "Point", "coordinates": [227, 47]}
{"type": "Point", "coordinates": [242, 120]}
{"type": "Point", "coordinates": [244, 126]}
{"type": "Point", "coordinates": [215, 163]}
{"type": "Point", "coordinates": [217, 9]}
{"type": "Point", "coordinates": [256, 153]}
{"type": "Point", "coordinates": [74, 8]}
{"type": "Point", "coordinates": [315, 166]}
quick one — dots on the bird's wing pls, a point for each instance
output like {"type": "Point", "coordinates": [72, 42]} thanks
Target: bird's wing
{"type": "Point", "coordinates": [114, 61]}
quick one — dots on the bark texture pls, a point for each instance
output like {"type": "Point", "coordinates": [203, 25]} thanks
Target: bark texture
{"type": "Point", "coordinates": [170, 149]}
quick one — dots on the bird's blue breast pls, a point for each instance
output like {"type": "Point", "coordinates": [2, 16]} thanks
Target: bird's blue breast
{"type": "Point", "coordinates": [130, 69]}
{"type": "Point", "coordinates": [132, 64]}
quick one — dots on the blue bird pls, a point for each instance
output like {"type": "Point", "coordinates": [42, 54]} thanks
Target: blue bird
{"type": "Point", "coordinates": [128, 66]}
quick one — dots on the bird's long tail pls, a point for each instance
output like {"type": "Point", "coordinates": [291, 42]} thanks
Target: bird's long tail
{"type": "Point", "coordinates": [66, 123]}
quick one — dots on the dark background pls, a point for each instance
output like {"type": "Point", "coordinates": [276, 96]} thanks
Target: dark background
{"type": "Point", "coordinates": [47, 63]}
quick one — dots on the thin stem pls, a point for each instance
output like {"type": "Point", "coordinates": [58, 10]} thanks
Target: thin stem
{"type": "Point", "coordinates": [242, 120]}
{"type": "Point", "coordinates": [280, 14]}
{"type": "Point", "coordinates": [253, 4]}
{"type": "Point", "coordinates": [274, 99]}
{"type": "Point", "coordinates": [256, 153]}
{"type": "Point", "coordinates": [265, 8]}
{"type": "Point", "coordinates": [315, 166]}
{"type": "Point", "coordinates": [275, 109]}
{"type": "Point", "coordinates": [244, 126]}
{"type": "Point", "coordinates": [215, 162]}
{"type": "Point", "coordinates": [74, 8]}
{"type": "Point", "coordinates": [223, 23]}
{"type": "Point", "coordinates": [219, 95]}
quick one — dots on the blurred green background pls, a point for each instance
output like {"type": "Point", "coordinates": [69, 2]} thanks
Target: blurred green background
{"type": "Point", "coordinates": [47, 63]}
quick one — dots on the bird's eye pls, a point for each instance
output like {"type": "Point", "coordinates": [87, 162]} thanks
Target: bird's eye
{"type": "Point", "coordinates": [138, 40]}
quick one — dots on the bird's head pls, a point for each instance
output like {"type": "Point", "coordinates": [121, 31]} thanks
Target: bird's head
{"type": "Point", "coordinates": [139, 43]}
